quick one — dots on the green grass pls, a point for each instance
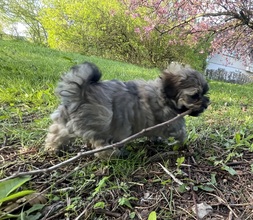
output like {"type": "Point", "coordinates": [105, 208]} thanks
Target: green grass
{"type": "Point", "coordinates": [28, 76]}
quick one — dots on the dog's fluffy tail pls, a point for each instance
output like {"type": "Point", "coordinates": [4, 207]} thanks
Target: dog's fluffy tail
{"type": "Point", "coordinates": [73, 85]}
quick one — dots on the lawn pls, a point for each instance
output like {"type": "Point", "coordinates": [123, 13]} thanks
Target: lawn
{"type": "Point", "coordinates": [217, 167]}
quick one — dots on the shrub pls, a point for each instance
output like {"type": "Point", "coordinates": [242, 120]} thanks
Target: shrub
{"type": "Point", "coordinates": [103, 28]}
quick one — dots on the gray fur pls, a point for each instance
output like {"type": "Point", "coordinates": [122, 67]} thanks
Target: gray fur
{"type": "Point", "coordinates": [104, 112]}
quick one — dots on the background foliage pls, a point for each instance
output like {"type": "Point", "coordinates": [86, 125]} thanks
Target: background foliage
{"type": "Point", "coordinates": [102, 28]}
{"type": "Point", "coordinates": [150, 33]}
{"type": "Point", "coordinates": [105, 29]}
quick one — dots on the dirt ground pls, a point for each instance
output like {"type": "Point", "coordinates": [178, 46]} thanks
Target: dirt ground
{"type": "Point", "coordinates": [68, 192]}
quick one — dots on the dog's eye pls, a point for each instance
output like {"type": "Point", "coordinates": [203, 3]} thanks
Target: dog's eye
{"type": "Point", "coordinates": [195, 96]}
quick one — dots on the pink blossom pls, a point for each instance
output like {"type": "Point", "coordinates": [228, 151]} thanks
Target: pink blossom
{"type": "Point", "coordinates": [229, 22]}
{"type": "Point", "coordinates": [137, 30]}
{"type": "Point", "coordinates": [135, 15]}
{"type": "Point", "coordinates": [148, 29]}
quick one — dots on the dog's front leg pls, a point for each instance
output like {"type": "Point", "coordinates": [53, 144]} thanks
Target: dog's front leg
{"type": "Point", "coordinates": [57, 139]}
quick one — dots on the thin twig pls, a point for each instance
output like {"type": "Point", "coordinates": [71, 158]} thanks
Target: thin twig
{"type": "Point", "coordinates": [179, 182]}
{"type": "Point", "coordinates": [82, 154]}
{"type": "Point", "coordinates": [222, 201]}
{"type": "Point", "coordinates": [241, 204]}
{"type": "Point", "coordinates": [192, 192]}
{"type": "Point", "coordinates": [187, 212]}
{"type": "Point", "coordinates": [108, 213]}
{"type": "Point", "coordinates": [84, 213]}
{"type": "Point", "coordinates": [5, 141]}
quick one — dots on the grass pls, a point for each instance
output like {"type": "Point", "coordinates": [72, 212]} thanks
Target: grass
{"type": "Point", "coordinates": [220, 146]}
{"type": "Point", "coordinates": [28, 77]}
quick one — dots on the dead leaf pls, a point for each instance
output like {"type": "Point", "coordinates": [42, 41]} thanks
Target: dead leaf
{"type": "Point", "coordinates": [203, 210]}
{"type": "Point", "coordinates": [32, 199]}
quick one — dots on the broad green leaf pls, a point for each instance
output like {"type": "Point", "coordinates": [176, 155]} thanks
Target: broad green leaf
{"type": "Point", "coordinates": [237, 138]}
{"type": "Point", "coordinates": [132, 215]}
{"type": "Point", "coordinates": [182, 188]}
{"type": "Point", "coordinates": [125, 201]}
{"type": "Point", "coordinates": [16, 195]}
{"type": "Point", "coordinates": [152, 216]}
{"type": "Point", "coordinates": [206, 188]}
{"type": "Point", "coordinates": [180, 160]}
{"type": "Point", "coordinates": [28, 214]}
{"type": "Point", "coordinates": [33, 217]}
{"type": "Point", "coordinates": [100, 185]}
{"type": "Point", "coordinates": [213, 179]}
{"type": "Point", "coordinates": [229, 169]}
{"type": "Point", "coordinates": [36, 207]}
{"type": "Point", "coordinates": [9, 186]}
{"type": "Point", "coordinates": [100, 205]}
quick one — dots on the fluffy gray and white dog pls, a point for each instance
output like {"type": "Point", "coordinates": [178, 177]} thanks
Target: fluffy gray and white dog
{"type": "Point", "coordinates": [105, 112]}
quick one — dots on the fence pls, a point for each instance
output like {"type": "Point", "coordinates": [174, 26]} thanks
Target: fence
{"type": "Point", "coordinates": [232, 77]}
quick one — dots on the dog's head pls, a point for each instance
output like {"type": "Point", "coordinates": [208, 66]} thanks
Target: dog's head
{"type": "Point", "coordinates": [185, 89]}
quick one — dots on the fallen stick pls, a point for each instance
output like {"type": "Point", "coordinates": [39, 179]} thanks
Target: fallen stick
{"type": "Point", "coordinates": [82, 154]}
{"type": "Point", "coordinates": [179, 182]}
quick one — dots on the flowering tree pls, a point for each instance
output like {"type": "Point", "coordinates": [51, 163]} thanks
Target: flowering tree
{"type": "Point", "coordinates": [228, 24]}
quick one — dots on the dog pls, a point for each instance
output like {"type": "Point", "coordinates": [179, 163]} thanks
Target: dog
{"type": "Point", "coordinates": [106, 112]}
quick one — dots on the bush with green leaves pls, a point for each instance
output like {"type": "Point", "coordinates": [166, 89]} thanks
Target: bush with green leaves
{"type": "Point", "coordinates": [104, 28]}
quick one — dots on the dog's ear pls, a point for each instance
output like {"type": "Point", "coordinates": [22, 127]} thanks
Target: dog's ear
{"type": "Point", "coordinates": [171, 82]}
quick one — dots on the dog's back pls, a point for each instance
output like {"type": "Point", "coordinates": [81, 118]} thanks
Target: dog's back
{"type": "Point", "coordinates": [95, 109]}
{"type": "Point", "coordinates": [73, 84]}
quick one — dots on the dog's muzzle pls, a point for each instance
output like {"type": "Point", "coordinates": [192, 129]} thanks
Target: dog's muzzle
{"type": "Point", "coordinates": [205, 101]}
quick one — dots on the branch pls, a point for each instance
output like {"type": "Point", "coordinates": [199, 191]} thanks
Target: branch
{"type": "Point", "coordinates": [82, 154]}
{"type": "Point", "coordinates": [230, 14]}
{"type": "Point", "coordinates": [179, 182]}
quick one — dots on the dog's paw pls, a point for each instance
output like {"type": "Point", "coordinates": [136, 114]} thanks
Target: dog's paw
{"type": "Point", "coordinates": [50, 150]}
{"type": "Point", "coordinates": [55, 150]}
